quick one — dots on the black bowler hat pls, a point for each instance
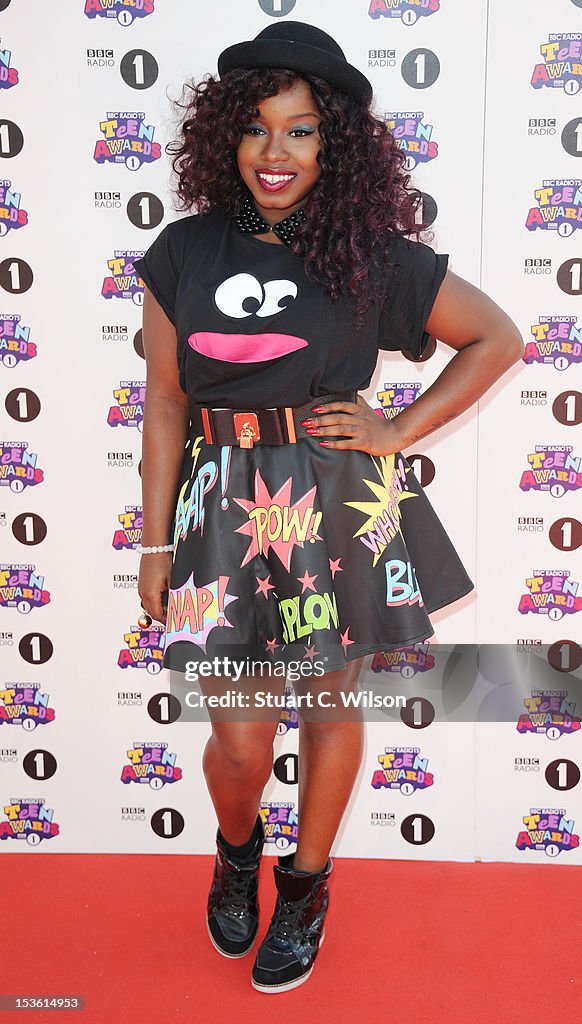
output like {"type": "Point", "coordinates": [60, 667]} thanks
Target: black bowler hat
{"type": "Point", "coordinates": [299, 47]}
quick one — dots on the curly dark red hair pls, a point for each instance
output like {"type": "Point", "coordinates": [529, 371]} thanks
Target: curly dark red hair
{"type": "Point", "coordinates": [360, 199]}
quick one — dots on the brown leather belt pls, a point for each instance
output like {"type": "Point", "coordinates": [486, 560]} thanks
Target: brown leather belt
{"type": "Point", "coordinates": [247, 427]}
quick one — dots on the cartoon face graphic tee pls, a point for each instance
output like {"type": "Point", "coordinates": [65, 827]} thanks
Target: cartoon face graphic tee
{"type": "Point", "coordinates": [253, 331]}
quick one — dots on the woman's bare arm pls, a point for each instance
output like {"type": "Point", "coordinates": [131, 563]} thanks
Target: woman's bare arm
{"type": "Point", "coordinates": [487, 343]}
{"type": "Point", "coordinates": [165, 428]}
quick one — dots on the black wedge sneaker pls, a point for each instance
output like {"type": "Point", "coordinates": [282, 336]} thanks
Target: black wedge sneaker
{"type": "Point", "coordinates": [287, 954]}
{"type": "Point", "coordinates": [233, 906]}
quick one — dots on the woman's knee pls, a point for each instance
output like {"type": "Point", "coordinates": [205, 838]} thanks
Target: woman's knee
{"type": "Point", "coordinates": [243, 752]}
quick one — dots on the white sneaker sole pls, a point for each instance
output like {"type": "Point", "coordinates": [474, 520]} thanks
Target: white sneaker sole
{"type": "Point", "coordinates": [286, 986]}
{"type": "Point", "coordinates": [230, 956]}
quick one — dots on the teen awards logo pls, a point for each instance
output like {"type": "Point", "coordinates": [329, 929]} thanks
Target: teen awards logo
{"type": "Point", "coordinates": [130, 398]}
{"type": "Point", "coordinates": [9, 75]}
{"type": "Point", "coordinates": [18, 467]}
{"type": "Point", "coordinates": [404, 661]}
{"type": "Point", "coordinates": [124, 11]}
{"type": "Point", "coordinates": [152, 764]}
{"type": "Point", "coordinates": [127, 139]}
{"type": "Point", "coordinates": [144, 648]}
{"type": "Point", "coordinates": [280, 823]}
{"type": "Point", "coordinates": [559, 206]}
{"type": "Point", "coordinates": [413, 136]}
{"type": "Point", "coordinates": [562, 63]}
{"type": "Point", "coordinates": [396, 397]}
{"type": "Point", "coordinates": [550, 713]}
{"type": "Point", "coordinates": [22, 587]}
{"type": "Point", "coordinates": [26, 705]}
{"type": "Point", "coordinates": [289, 718]}
{"type": "Point", "coordinates": [547, 829]}
{"type": "Point", "coordinates": [12, 214]}
{"type": "Point", "coordinates": [556, 340]}
{"type": "Point", "coordinates": [123, 281]}
{"type": "Point", "coordinates": [402, 768]}
{"type": "Point", "coordinates": [128, 534]}
{"type": "Point", "coordinates": [15, 346]}
{"type": "Point", "coordinates": [28, 820]}
{"type": "Point", "coordinates": [553, 468]}
{"type": "Point", "coordinates": [551, 593]}
{"type": "Point", "coordinates": [407, 11]}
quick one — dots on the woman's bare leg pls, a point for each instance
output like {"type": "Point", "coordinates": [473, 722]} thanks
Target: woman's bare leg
{"type": "Point", "coordinates": [238, 759]}
{"type": "Point", "coordinates": [330, 753]}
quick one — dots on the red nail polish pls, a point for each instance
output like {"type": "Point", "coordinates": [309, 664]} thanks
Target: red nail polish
{"type": "Point", "coordinates": [317, 408]}
{"type": "Point", "coordinates": [312, 430]}
{"type": "Point", "coordinates": [306, 423]}
{"type": "Point", "coordinates": [326, 444]}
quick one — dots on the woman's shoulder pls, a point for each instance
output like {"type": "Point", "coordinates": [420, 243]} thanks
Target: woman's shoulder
{"type": "Point", "coordinates": [403, 248]}
{"type": "Point", "coordinates": [184, 234]}
{"type": "Point", "coordinates": [191, 225]}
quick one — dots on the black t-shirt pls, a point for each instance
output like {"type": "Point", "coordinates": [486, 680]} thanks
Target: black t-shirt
{"type": "Point", "coordinates": [253, 330]}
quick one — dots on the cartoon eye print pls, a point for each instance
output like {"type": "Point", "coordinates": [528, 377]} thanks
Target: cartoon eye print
{"type": "Point", "coordinates": [275, 292]}
{"type": "Point", "coordinates": [238, 298]}
{"type": "Point", "coordinates": [235, 295]}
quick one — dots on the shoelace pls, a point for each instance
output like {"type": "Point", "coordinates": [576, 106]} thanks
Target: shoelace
{"type": "Point", "coordinates": [236, 886]}
{"type": "Point", "coordinates": [286, 916]}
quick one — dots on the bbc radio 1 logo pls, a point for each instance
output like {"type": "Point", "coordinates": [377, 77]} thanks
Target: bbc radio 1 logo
{"type": "Point", "coordinates": [393, 398]}
{"type": "Point", "coordinates": [551, 592]}
{"type": "Point", "coordinates": [559, 206]}
{"type": "Point", "coordinates": [22, 587]}
{"type": "Point", "coordinates": [412, 135]}
{"type": "Point", "coordinates": [549, 713]}
{"type": "Point", "coordinates": [549, 830]}
{"type": "Point", "coordinates": [25, 704]}
{"type": "Point", "coordinates": [407, 11]}
{"type": "Point", "coordinates": [404, 769]}
{"type": "Point", "coordinates": [9, 74]}
{"type": "Point", "coordinates": [13, 214]}
{"type": "Point", "coordinates": [125, 12]}
{"type": "Point", "coordinates": [144, 648]}
{"type": "Point", "coordinates": [128, 410]}
{"type": "Point", "coordinates": [19, 467]}
{"type": "Point", "coordinates": [151, 764]}
{"type": "Point", "coordinates": [557, 341]}
{"type": "Point", "coordinates": [15, 344]}
{"type": "Point", "coordinates": [28, 820]}
{"type": "Point", "coordinates": [552, 468]}
{"type": "Point", "coordinates": [127, 139]}
{"type": "Point", "coordinates": [123, 281]}
{"type": "Point", "coordinates": [280, 823]}
{"type": "Point", "coordinates": [561, 67]}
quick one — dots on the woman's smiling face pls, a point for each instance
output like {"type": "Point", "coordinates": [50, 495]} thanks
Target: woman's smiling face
{"type": "Point", "coordinates": [277, 155]}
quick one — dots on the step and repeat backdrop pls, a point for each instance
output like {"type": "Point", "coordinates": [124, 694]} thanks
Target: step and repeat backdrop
{"type": "Point", "coordinates": [97, 751]}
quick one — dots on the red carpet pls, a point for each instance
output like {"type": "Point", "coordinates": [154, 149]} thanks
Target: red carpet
{"type": "Point", "coordinates": [405, 942]}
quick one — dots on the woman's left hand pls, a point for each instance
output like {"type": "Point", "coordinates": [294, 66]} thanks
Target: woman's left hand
{"type": "Point", "coordinates": [358, 424]}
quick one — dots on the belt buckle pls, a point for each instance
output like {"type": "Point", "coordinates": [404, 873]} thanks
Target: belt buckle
{"type": "Point", "coordinates": [246, 428]}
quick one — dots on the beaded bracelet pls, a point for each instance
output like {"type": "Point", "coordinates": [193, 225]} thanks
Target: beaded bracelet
{"type": "Point", "coordinates": [154, 549]}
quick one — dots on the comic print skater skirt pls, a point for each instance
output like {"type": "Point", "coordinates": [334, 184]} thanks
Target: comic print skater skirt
{"type": "Point", "coordinates": [294, 552]}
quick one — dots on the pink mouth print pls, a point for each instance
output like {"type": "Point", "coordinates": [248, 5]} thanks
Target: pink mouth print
{"type": "Point", "coordinates": [244, 348]}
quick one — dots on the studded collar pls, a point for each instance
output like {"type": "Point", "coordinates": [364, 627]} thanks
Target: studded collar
{"type": "Point", "coordinates": [249, 221]}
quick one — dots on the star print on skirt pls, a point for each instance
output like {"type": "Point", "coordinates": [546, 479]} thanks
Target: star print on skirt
{"type": "Point", "coordinates": [293, 552]}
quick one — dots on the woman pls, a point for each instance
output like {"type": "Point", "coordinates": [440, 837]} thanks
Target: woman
{"type": "Point", "coordinates": [298, 528]}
